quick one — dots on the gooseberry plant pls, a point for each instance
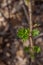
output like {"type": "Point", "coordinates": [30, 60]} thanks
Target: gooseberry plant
{"type": "Point", "coordinates": [23, 33]}
{"type": "Point", "coordinates": [28, 33]}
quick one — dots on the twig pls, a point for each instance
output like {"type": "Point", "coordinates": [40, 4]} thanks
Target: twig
{"type": "Point", "coordinates": [26, 14]}
{"type": "Point", "coordinates": [30, 25]}
{"type": "Point", "coordinates": [29, 19]}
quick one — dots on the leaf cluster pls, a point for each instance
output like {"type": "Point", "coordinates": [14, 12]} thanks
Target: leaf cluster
{"type": "Point", "coordinates": [35, 32]}
{"type": "Point", "coordinates": [23, 33]}
{"type": "Point", "coordinates": [36, 49]}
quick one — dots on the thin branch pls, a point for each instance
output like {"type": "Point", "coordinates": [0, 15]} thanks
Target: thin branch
{"type": "Point", "coordinates": [30, 22]}
{"type": "Point", "coordinates": [30, 25]}
{"type": "Point", "coordinates": [26, 14]}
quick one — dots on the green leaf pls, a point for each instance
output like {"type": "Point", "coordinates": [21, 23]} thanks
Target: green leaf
{"type": "Point", "coordinates": [26, 49]}
{"type": "Point", "coordinates": [37, 49]}
{"type": "Point", "coordinates": [23, 33]}
{"type": "Point", "coordinates": [35, 32]}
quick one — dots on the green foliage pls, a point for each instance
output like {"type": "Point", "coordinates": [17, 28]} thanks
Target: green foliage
{"type": "Point", "coordinates": [26, 49]}
{"type": "Point", "coordinates": [35, 32]}
{"type": "Point", "coordinates": [23, 33]}
{"type": "Point", "coordinates": [37, 49]}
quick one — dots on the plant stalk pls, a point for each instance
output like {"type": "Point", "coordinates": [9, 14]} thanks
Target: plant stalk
{"type": "Point", "coordinates": [30, 25]}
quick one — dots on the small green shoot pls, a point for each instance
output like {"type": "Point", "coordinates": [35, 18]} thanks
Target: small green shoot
{"type": "Point", "coordinates": [27, 49]}
{"type": "Point", "coordinates": [23, 33]}
{"type": "Point", "coordinates": [35, 32]}
{"type": "Point", "coordinates": [37, 49]}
